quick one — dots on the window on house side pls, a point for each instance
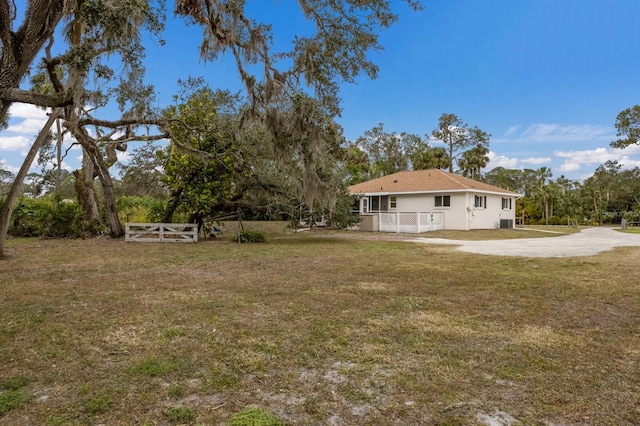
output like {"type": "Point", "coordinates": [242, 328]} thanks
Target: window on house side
{"type": "Point", "coordinates": [506, 203]}
{"type": "Point", "coordinates": [480, 202]}
{"type": "Point", "coordinates": [443, 201]}
{"type": "Point", "coordinates": [393, 203]}
{"type": "Point", "coordinates": [375, 204]}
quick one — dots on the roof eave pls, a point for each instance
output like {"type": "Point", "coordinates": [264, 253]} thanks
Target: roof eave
{"type": "Point", "coordinates": [436, 191]}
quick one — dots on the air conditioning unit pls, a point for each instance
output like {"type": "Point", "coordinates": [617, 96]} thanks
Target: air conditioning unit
{"type": "Point", "coordinates": [506, 223]}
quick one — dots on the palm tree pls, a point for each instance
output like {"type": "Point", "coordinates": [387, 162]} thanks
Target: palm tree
{"type": "Point", "coordinates": [542, 191]}
{"type": "Point", "coordinates": [473, 161]}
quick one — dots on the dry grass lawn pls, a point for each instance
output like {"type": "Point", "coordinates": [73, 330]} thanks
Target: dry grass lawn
{"type": "Point", "coordinates": [317, 330]}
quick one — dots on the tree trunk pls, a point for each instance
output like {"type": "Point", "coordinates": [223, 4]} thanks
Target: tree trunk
{"type": "Point", "coordinates": [86, 199]}
{"type": "Point", "coordinates": [94, 154]}
{"type": "Point", "coordinates": [546, 211]}
{"type": "Point", "coordinates": [172, 205]}
{"type": "Point", "coordinates": [20, 47]}
{"type": "Point", "coordinates": [450, 154]}
{"type": "Point", "coordinates": [596, 209]}
{"type": "Point", "coordinates": [16, 186]}
{"type": "Point", "coordinates": [58, 181]}
{"type": "Point", "coordinates": [85, 190]}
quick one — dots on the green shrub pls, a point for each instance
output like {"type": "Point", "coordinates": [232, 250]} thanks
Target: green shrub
{"type": "Point", "coordinates": [254, 416]}
{"type": "Point", "coordinates": [140, 209]}
{"type": "Point", "coordinates": [27, 216]}
{"type": "Point", "coordinates": [342, 216]}
{"type": "Point", "coordinates": [64, 221]}
{"type": "Point", "coordinates": [44, 218]}
{"type": "Point", "coordinates": [555, 220]}
{"type": "Point", "coordinates": [250, 237]}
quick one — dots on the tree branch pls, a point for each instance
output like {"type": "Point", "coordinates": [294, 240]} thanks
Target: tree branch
{"type": "Point", "coordinates": [125, 122]}
{"type": "Point", "coordinates": [50, 65]}
{"type": "Point", "coordinates": [26, 97]}
{"type": "Point", "coordinates": [136, 138]}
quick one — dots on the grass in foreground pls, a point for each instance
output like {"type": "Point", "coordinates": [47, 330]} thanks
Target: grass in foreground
{"type": "Point", "coordinates": [634, 230]}
{"type": "Point", "coordinates": [315, 331]}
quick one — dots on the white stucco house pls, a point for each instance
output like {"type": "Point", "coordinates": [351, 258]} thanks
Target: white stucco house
{"type": "Point", "coordinates": [427, 200]}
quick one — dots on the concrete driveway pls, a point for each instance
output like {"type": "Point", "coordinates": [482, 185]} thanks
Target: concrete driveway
{"type": "Point", "coordinates": [588, 242]}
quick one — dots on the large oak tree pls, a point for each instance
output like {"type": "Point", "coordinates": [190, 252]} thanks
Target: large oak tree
{"type": "Point", "coordinates": [337, 51]}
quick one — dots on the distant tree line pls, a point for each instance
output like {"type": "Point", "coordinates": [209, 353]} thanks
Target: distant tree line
{"type": "Point", "coordinates": [204, 174]}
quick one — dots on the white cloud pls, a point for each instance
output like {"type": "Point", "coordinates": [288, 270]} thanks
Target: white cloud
{"type": "Point", "coordinates": [496, 160]}
{"type": "Point", "coordinates": [65, 166]}
{"type": "Point", "coordinates": [536, 160]}
{"type": "Point", "coordinates": [8, 167]}
{"type": "Point", "coordinates": [594, 157]}
{"type": "Point", "coordinates": [19, 110]}
{"type": "Point", "coordinates": [556, 133]}
{"type": "Point", "coordinates": [628, 163]}
{"type": "Point", "coordinates": [630, 150]}
{"type": "Point", "coordinates": [589, 156]}
{"type": "Point", "coordinates": [501, 161]}
{"type": "Point", "coordinates": [26, 119]}
{"type": "Point", "coordinates": [569, 167]}
{"type": "Point", "coordinates": [13, 143]}
{"type": "Point", "coordinates": [512, 130]}
{"type": "Point", "coordinates": [124, 157]}
{"type": "Point", "coordinates": [29, 126]}
{"type": "Point", "coordinates": [568, 160]}
{"type": "Point", "coordinates": [571, 133]}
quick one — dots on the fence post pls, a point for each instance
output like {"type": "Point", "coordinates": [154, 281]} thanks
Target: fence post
{"type": "Point", "coordinates": [161, 231]}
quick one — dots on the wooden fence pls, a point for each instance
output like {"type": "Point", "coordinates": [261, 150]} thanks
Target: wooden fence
{"type": "Point", "coordinates": [161, 232]}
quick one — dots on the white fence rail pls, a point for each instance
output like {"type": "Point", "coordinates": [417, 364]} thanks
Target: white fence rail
{"type": "Point", "coordinates": [411, 223]}
{"type": "Point", "coordinates": [161, 232]}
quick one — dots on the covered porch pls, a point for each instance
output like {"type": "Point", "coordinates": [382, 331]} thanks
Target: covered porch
{"type": "Point", "coordinates": [403, 222]}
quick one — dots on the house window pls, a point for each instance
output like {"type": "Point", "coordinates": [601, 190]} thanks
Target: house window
{"type": "Point", "coordinates": [480, 202]}
{"type": "Point", "coordinates": [355, 208]}
{"type": "Point", "coordinates": [443, 200]}
{"type": "Point", "coordinates": [365, 205]}
{"type": "Point", "coordinates": [375, 204]}
{"type": "Point", "coordinates": [393, 202]}
{"type": "Point", "coordinates": [506, 204]}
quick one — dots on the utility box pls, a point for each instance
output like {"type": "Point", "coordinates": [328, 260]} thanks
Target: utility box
{"type": "Point", "coordinates": [369, 223]}
{"type": "Point", "coordinates": [506, 223]}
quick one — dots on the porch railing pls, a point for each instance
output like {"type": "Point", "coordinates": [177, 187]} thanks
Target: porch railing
{"type": "Point", "coordinates": [411, 223]}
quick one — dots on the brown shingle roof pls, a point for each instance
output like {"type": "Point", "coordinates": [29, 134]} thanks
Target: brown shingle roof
{"type": "Point", "coordinates": [423, 181]}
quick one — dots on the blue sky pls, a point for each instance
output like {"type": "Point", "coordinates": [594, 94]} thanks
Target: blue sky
{"type": "Point", "coordinates": [546, 78]}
